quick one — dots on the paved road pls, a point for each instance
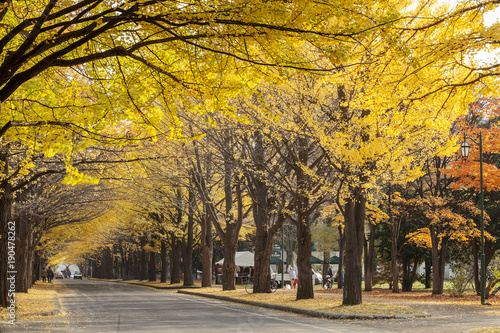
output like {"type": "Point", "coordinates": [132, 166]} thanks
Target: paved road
{"type": "Point", "coordinates": [92, 306]}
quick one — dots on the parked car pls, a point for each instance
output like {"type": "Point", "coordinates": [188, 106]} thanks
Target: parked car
{"type": "Point", "coordinates": [317, 277]}
{"type": "Point", "coordinates": [59, 275]}
{"type": "Point", "coordinates": [77, 275]}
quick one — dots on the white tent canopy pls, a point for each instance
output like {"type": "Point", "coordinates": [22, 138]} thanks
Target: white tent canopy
{"type": "Point", "coordinates": [243, 258]}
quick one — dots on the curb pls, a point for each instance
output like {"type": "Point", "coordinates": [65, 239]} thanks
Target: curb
{"type": "Point", "coordinates": [310, 313]}
{"type": "Point", "coordinates": [53, 312]}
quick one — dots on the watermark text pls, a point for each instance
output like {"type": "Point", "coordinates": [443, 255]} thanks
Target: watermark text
{"type": "Point", "coordinates": [11, 271]}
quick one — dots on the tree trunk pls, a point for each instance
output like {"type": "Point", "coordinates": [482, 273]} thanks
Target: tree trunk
{"type": "Point", "coordinates": [340, 271]}
{"type": "Point", "coordinates": [113, 263]}
{"type": "Point", "coordinates": [176, 259]}
{"type": "Point", "coordinates": [152, 264]}
{"type": "Point", "coordinates": [262, 258]}
{"type": "Point", "coordinates": [230, 236]}
{"type": "Point", "coordinates": [207, 246]}
{"type": "Point", "coordinates": [354, 234]}
{"type": "Point", "coordinates": [326, 265]}
{"type": "Point", "coordinates": [304, 252]}
{"type": "Point", "coordinates": [188, 246]}
{"type": "Point", "coordinates": [22, 255]}
{"type": "Point", "coordinates": [163, 277]}
{"type": "Point", "coordinates": [477, 281]}
{"type": "Point", "coordinates": [413, 273]}
{"type": "Point", "coordinates": [229, 267]}
{"type": "Point", "coordinates": [290, 239]}
{"type": "Point", "coordinates": [124, 263]}
{"type": "Point", "coordinates": [37, 267]}
{"type": "Point", "coordinates": [263, 251]}
{"type": "Point", "coordinates": [428, 273]}
{"type": "Point", "coordinates": [407, 274]}
{"type": "Point", "coordinates": [394, 258]}
{"type": "Point", "coordinates": [109, 266]}
{"type": "Point", "coordinates": [394, 246]}
{"type": "Point", "coordinates": [132, 257]}
{"type": "Point", "coordinates": [143, 260]}
{"type": "Point", "coordinates": [369, 258]}
{"type": "Point", "coordinates": [438, 261]}
{"type": "Point", "coordinates": [302, 210]}
{"type": "Point", "coordinates": [31, 257]}
{"type": "Point", "coordinates": [265, 230]}
{"type": "Point", "coordinates": [264, 239]}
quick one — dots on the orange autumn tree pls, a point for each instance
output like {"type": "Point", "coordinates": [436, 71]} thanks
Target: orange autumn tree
{"type": "Point", "coordinates": [482, 119]}
{"type": "Point", "coordinates": [444, 221]}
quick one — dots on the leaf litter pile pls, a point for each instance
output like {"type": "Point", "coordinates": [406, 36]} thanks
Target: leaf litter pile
{"type": "Point", "coordinates": [419, 295]}
{"type": "Point", "coordinates": [39, 301]}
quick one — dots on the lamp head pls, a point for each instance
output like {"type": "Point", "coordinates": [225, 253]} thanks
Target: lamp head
{"type": "Point", "coordinates": [465, 148]}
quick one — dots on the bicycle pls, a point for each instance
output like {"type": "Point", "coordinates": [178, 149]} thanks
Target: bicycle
{"type": "Point", "coordinates": [249, 285]}
{"type": "Point", "coordinates": [327, 282]}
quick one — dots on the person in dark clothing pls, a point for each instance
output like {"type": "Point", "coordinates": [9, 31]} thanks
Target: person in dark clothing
{"type": "Point", "coordinates": [50, 274]}
{"type": "Point", "coordinates": [44, 274]}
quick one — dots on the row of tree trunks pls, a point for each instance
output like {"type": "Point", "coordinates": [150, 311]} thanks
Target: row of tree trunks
{"type": "Point", "coordinates": [104, 269]}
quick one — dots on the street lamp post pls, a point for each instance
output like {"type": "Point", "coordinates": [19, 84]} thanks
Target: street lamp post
{"type": "Point", "coordinates": [464, 149]}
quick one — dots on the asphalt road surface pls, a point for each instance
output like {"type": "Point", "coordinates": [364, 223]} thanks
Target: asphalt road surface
{"type": "Point", "coordinates": [92, 306]}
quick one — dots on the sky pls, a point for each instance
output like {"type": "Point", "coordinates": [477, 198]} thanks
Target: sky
{"type": "Point", "coordinates": [490, 18]}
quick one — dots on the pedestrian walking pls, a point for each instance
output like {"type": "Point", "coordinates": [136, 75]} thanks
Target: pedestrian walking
{"type": "Point", "coordinates": [293, 276]}
{"type": "Point", "coordinates": [50, 275]}
{"type": "Point", "coordinates": [218, 274]}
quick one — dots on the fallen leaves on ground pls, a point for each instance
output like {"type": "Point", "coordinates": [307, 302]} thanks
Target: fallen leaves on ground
{"type": "Point", "coordinates": [40, 300]}
{"type": "Point", "coordinates": [425, 295]}
{"type": "Point", "coordinates": [320, 302]}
